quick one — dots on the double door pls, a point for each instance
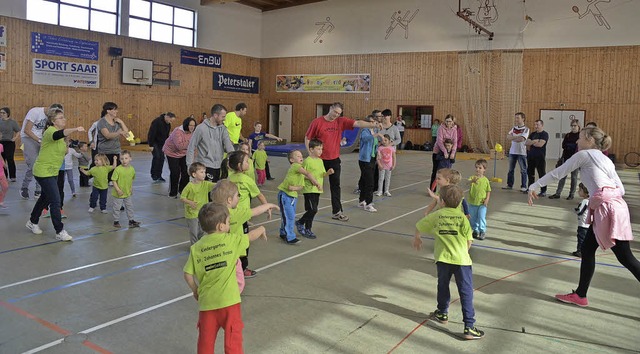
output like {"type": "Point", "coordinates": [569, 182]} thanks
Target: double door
{"type": "Point", "coordinates": [558, 123]}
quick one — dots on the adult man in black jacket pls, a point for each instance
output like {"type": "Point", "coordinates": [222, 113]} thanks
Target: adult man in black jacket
{"type": "Point", "coordinates": [159, 132]}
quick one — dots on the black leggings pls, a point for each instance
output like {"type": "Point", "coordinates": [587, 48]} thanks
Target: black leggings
{"type": "Point", "coordinates": [622, 250]}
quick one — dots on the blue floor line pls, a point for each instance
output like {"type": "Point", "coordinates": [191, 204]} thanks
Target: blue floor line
{"type": "Point", "coordinates": [68, 285]}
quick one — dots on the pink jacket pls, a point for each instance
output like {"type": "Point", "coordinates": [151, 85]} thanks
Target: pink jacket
{"type": "Point", "coordinates": [609, 215]}
{"type": "Point", "coordinates": [446, 133]}
{"type": "Point", "coordinates": [177, 143]}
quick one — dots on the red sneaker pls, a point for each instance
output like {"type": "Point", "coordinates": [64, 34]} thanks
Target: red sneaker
{"type": "Point", "coordinates": [248, 273]}
{"type": "Point", "coordinates": [573, 298]}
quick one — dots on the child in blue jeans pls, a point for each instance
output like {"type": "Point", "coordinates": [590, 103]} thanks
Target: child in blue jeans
{"type": "Point", "coordinates": [100, 173]}
{"type": "Point", "coordinates": [452, 233]}
{"type": "Point", "coordinates": [479, 195]}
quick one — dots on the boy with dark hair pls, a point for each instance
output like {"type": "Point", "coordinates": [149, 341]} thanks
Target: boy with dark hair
{"type": "Point", "coordinates": [210, 273]}
{"type": "Point", "coordinates": [452, 234]}
{"type": "Point", "coordinates": [314, 165]}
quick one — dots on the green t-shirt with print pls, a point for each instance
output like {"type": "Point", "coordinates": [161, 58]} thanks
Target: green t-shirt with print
{"type": "Point", "coordinates": [247, 188]}
{"type": "Point", "coordinates": [196, 192]}
{"type": "Point", "coordinates": [51, 155]}
{"type": "Point", "coordinates": [293, 178]}
{"type": "Point", "coordinates": [479, 190]}
{"type": "Point", "coordinates": [260, 159]}
{"type": "Point", "coordinates": [315, 166]}
{"type": "Point", "coordinates": [100, 176]}
{"type": "Point", "coordinates": [212, 260]}
{"type": "Point", "coordinates": [124, 177]}
{"type": "Point", "coordinates": [451, 230]}
{"type": "Point", "coordinates": [251, 171]}
{"type": "Point", "coordinates": [237, 217]}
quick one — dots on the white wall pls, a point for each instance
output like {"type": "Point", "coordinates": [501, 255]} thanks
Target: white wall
{"type": "Point", "coordinates": [361, 25]}
{"type": "Point", "coordinates": [229, 28]}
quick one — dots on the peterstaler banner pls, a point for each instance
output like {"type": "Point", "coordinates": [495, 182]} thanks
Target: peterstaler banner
{"type": "Point", "coordinates": [236, 83]}
{"type": "Point", "coordinates": [65, 73]}
{"type": "Point", "coordinates": [347, 83]}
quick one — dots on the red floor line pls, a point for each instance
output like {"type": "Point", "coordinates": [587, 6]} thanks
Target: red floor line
{"type": "Point", "coordinates": [51, 326]}
{"type": "Point", "coordinates": [478, 288]}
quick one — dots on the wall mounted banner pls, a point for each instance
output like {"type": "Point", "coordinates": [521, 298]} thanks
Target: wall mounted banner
{"type": "Point", "coordinates": [65, 73]}
{"type": "Point", "coordinates": [190, 57]}
{"type": "Point", "coordinates": [3, 36]}
{"type": "Point", "coordinates": [3, 61]}
{"type": "Point", "coordinates": [347, 83]}
{"type": "Point", "coordinates": [235, 83]}
{"type": "Point", "coordinates": [63, 46]}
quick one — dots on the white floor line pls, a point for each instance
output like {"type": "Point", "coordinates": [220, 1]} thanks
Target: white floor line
{"type": "Point", "coordinates": [43, 347]}
{"type": "Point", "coordinates": [148, 309]}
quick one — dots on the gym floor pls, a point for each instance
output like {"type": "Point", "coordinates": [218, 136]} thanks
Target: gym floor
{"type": "Point", "coordinates": [358, 288]}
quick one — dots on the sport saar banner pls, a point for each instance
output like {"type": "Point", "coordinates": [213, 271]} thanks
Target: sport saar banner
{"type": "Point", "coordinates": [347, 83]}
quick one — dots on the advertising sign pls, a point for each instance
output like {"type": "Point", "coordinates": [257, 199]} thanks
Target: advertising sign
{"type": "Point", "coordinates": [236, 83]}
{"type": "Point", "coordinates": [190, 57]}
{"type": "Point", "coordinates": [63, 46]}
{"type": "Point", "coordinates": [345, 83]}
{"type": "Point", "coordinates": [65, 73]}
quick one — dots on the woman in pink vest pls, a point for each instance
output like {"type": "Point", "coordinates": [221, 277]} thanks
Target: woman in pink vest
{"type": "Point", "coordinates": [175, 148]}
{"type": "Point", "coordinates": [446, 131]}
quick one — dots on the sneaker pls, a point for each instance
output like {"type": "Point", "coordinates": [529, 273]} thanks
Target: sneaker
{"type": "Point", "coordinates": [248, 273]}
{"type": "Point", "coordinates": [543, 194]}
{"type": "Point", "coordinates": [439, 316]}
{"type": "Point", "coordinates": [481, 236]}
{"type": "Point", "coordinates": [295, 241]}
{"type": "Point", "coordinates": [116, 224]}
{"type": "Point", "coordinates": [173, 196]}
{"type": "Point", "coordinates": [270, 178]}
{"type": "Point", "coordinates": [356, 191]}
{"type": "Point", "coordinates": [62, 214]}
{"type": "Point", "coordinates": [340, 216]}
{"type": "Point", "coordinates": [74, 195]}
{"type": "Point", "coordinates": [24, 193]}
{"type": "Point", "coordinates": [573, 298]}
{"type": "Point", "coordinates": [161, 180]}
{"type": "Point", "coordinates": [63, 236]}
{"type": "Point", "coordinates": [2, 206]}
{"type": "Point", "coordinates": [570, 197]}
{"type": "Point", "coordinates": [554, 196]}
{"type": "Point", "coordinates": [133, 223]}
{"type": "Point", "coordinates": [310, 234]}
{"type": "Point", "coordinates": [507, 187]}
{"type": "Point", "coordinates": [45, 214]}
{"type": "Point", "coordinates": [36, 194]}
{"type": "Point", "coordinates": [378, 194]}
{"type": "Point", "coordinates": [577, 254]}
{"type": "Point", "coordinates": [362, 204]}
{"type": "Point", "coordinates": [475, 234]}
{"type": "Point", "coordinates": [370, 208]}
{"type": "Point", "coordinates": [473, 333]}
{"type": "Point", "coordinates": [104, 211]}
{"type": "Point", "coordinates": [91, 210]}
{"type": "Point", "coordinates": [387, 194]}
{"type": "Point", "coordinates": [34, 227]}
{"type": "Point", "coordinates": [524, 190]}
{"type": "Point", "coordinates": [283, 237]}
{"type": "Point", "coordinates": [300, 227]}
{"type": "Point", "coordinates": [13, 179]}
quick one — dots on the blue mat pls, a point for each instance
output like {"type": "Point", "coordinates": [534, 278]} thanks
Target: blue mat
{"type": "Point", "coordinates": [283, 150]}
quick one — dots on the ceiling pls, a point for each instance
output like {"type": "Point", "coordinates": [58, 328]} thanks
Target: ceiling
{"type": "Point", "coordinates": [263, 5]}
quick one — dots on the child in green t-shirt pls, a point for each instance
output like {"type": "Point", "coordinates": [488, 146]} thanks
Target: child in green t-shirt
{"type": "Point", "coordinates": [194, 195]}
{"type": "Point", "coordinates": [479, 195]}
{"type": "Point", "coordinates": [246, 148]}
{"type": "Point", "coordinates": [452, 233]}
{"type": "Point", "coordinates": [210, 273]}
{"type": "Point", "coordinates": [261, 160]}
{"type": "Point", "coordinates": [445, 177]}
{"type": "Point", "coordinates": [315, 166]}
{"type": "Point", "coordinates": [226, 193]}
{"type": "Point", "coordinates": [122, 191]}
{"type": "Point", "coordinates": [288, 196]}
{"type": "Point", "coordinates": [100, 173]}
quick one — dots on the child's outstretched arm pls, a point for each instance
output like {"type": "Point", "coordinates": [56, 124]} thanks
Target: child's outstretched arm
{"type": "Point", "coordinates": [309, 176]}
{"type": "Point", "coordinates": [85, 171]}
{"type": "Point", "coordinates": [262, 198]}
{"type": "Point", "coordinates": [259, 210]}
{"type": "Point", "coordinates": [430, 207]}
{"type": "Point", "coordinates": [191, 281]}
{"type": "Point", "coordinates": [417, 241]}
{"type": "Point", "coordinates": [257, 233]}
{"type": "Point", "coordinates": [115, 162]}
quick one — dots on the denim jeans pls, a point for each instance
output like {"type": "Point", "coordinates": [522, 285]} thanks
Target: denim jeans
{"type": "Point", "coordinates": [464, 282]}
{"type": "Point", "coordinates": [522, 163]}
{"type": "Point", "coordinates": [49, 197]}
{"type": "Point", "coordinates": [287, 206]}
{"type": "Point", "coordinates": [478, 215]}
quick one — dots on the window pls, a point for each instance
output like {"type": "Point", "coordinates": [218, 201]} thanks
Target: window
{"type": "Point", "coordinates": [161, 23]}
{"type": "Point", "coordinates": [94, 15]}
{"type": "Point", "coordinates": [416, 116]}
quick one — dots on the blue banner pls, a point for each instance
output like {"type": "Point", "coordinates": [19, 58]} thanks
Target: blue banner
{"type": "Point", "coordinates": [200, 59]}
{"type": "Point", "coordinates": [235, 83]}
{"type": "Point", "coordinates": [63, 46]}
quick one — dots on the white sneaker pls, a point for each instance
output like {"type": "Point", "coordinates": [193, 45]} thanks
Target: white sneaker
{"type": "Point", "coordinates": [370, 208]}
{"type": "Point", "coordinates": [362, 204]}
{"type": "Point", "coordinates": [104, 211]}
{"type": "Point", "coordinates": [387, 194]}
{"type": "Point", "coordinates": [34, 227]}
{"type": "Point", "coordinates": [91, 210]}
{"type": "Point", "coordinates": [524, 190]}
{"type": "Point", "coordinates": [63, 236]}
{"type": "Point", "coordinates": [377, 194]}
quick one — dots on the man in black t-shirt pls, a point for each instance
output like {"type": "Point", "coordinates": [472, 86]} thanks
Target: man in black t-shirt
{"type": "Point", "coordinates": [536, 153]}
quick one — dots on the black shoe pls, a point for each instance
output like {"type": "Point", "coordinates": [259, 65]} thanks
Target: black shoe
{"type": "Point", "coordinates": [507, 187]}
{"type": "Point", "coordinates": [473, 333]}
{"type": "Point", "coordinates": [481, 236]}
{"type": "Point", "coordinates": [543, 194]}
{"type": "Point", "coordinates": [293, 242]}
{"type": "Point", "coordinates": [475, 234]}
{"type": "Point", "coordinates": [570, 197]}
{"type": "Point", "coordinates": [577, 254]}
{"type": "Point", "coordinates": [270, 179]}
{"type": "Point", "coordinates": [133, 223]}
{"type": "Point", "coordinates": [554, 196]}
{"type": "Point", "coordinates": [24, 193]}
{"type": "Point", "coordinates": [439, 316]}
{"type": "Point", "coordinates": [161, 179]}
{"type": "Point", "coordinates": [283, 237]}
{"type": "Point", "coordinates": [116, 224]}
